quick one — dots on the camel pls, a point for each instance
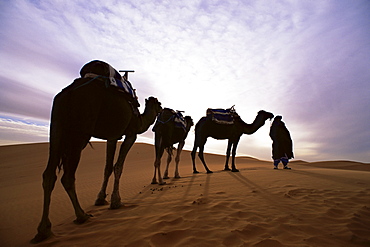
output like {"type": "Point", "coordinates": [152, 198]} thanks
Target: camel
{"type": "Point", "coordinates": [166, 135]}
{"type": "Point", "coordinates": [207, 128]}
{"type": "Point", "coordinates": [90, 108]}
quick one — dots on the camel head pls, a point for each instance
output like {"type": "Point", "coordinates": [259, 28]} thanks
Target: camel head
{"type": "Point", "coordinates": [260, 120]}
{"type": "Point", "coordinates": [189, 121]}
{"type": "Point", "coordinates": [265, 115]}
{"type": "Point", "coordinates": [153, 103]}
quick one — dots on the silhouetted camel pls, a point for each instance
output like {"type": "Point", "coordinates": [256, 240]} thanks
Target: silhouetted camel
{"type": "Point", "coordinates": [166, 135]}
{"type": "Point", "coordinates": [207, 128]}
{"type": "Point", "coordinates": [86, 108]}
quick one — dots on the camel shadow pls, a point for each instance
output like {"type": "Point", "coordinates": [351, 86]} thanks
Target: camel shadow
{"type": "Point", "coordinates": [336, 179]}
{"type": "Point", "coordinates": [196, 180]}
{"type": "Point", "coordinates": [258, 190]}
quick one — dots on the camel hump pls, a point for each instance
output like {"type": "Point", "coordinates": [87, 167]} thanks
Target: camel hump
{"type": "Point", "coordinates": [222, 116]}
{"type": "Point", "coordinates": [169, 115]}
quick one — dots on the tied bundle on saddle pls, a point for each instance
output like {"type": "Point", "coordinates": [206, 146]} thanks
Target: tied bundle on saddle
{"type": "Point", "coordinates": [99, 70]}
{"type": "Point", "coordinates": [168, 116]}
{"type": "Point", "coordinates": [222, 116]}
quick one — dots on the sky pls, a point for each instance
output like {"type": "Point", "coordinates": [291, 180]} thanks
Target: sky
{"type": "Point", "coordinates": [308, 61]}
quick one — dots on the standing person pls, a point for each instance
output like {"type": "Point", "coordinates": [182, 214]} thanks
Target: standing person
{"type": "Point", "coordinates": [282, 145]}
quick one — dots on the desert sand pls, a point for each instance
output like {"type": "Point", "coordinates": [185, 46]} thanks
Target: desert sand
{"type": "Point", "coordinates": [314, 204]}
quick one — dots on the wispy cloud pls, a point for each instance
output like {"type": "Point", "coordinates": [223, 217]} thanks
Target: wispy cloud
{"type": "Point", "coordinates": [21, 131]}
{"type": "Point", "coordinates": [24, 100]}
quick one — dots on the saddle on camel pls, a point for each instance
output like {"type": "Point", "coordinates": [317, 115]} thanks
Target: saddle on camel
{"type": "Point", "coordinates": [222, 116]}
{"type": "Point", "coordinates": [172, 115]}
{"type": "Point", "coordinates": [105, 73]}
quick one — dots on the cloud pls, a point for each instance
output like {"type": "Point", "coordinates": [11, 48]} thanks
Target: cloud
{"type": "Point", "coordinates": [18, 131]}
{"type": "Point", "coordinates": [23, 100]}
{"type": "Point", "coordinates": [328, 89]}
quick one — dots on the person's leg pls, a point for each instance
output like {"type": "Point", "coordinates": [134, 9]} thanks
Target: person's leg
{"type": "Point", "coordinates": [276, 163]}
{"type": "Point", "coordinates": [285, 162]}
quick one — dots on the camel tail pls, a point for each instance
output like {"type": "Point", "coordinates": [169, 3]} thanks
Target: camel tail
{"type": "Point", "coordinates": [58, 126]}
{"type": "Point", "coordinates": [57, 153]}
{"type": "Point", "coordinates": [60, 165]}
{"type": "Point", "coordinates": [165, 131]}
{"type": "Point", "coordinates": [166, 137]}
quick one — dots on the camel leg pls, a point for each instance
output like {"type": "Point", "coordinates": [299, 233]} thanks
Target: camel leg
{"type": "Point", "coordinates": [177, 159]}
{"type": "Point", "coordinates": [169, 159]}
{"type": "Point", "coordinates": [229, 144]}
{"type": "Point", "coordinates": [68, 180]}
{"type": "Point", "coordinates": [49, 178]}
{"type": "Point", "coordinates": [201, 156]}
{"type": "Point", "coordinates": [159, 149]}
{"type": "Point", "coordinates": [157, 162]}
{"type": "Point", "coordinates": [233, 167]}
{"type": "Point", "coordinates": [118, 167]}
{"type": "Point", "coordinates": [197, 144]}
{"type": "Point", "coordinates": [111, 149]}
{"type": "Point", "coordinates": [193, 154]}
{"type": "Point", "coordinates": [157, 166]}
{"type": "Point", "coordinates": [160, 180]}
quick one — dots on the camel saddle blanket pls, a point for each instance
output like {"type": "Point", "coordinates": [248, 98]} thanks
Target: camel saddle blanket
{"type": "Point", "coordinates": [221, 116]}
{"type": "Point", "coordinates": [176, 117]}
{"type": "Point", "coordinates": [179, 120]}
{"type": "Point", "coordinates": [101, 70]}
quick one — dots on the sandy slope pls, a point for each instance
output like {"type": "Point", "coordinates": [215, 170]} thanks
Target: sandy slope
{"type": "Point", "coordinates": [315, 204]}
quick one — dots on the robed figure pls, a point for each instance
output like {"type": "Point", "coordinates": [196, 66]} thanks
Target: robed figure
{"type": "Point", "coordinates": [282, 145]}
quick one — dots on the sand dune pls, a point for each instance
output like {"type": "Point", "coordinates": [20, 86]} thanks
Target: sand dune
{"type": "Point", "coordinates": [314, 204]}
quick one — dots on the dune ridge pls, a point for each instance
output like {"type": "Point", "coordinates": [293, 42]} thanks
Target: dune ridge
{"type": "Point", "coordinates": [314, 204]}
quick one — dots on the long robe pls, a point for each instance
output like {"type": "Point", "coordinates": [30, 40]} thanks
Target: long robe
{"type": "Point", "coordinates": [282, 145]}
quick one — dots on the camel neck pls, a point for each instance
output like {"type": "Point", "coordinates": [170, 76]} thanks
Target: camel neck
{"type": "Point", "coordinates": [146, 119]}
{"type": "Point", "coordinates": [253, 127]}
